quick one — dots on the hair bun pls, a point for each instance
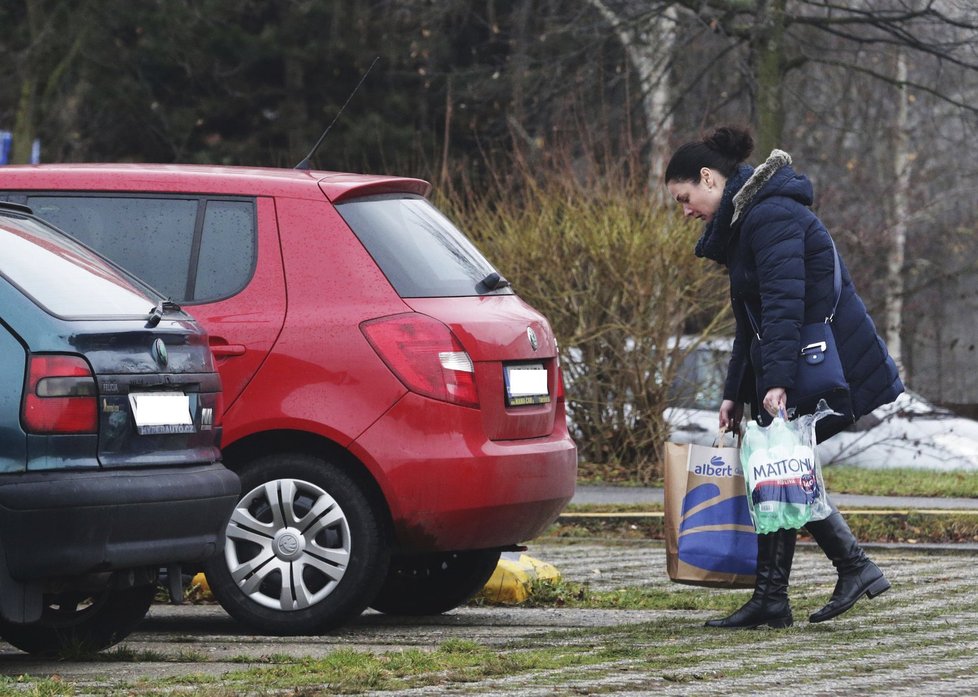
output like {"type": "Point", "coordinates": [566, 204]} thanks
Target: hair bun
{"type": "Point", "coordinates": [731, 141]}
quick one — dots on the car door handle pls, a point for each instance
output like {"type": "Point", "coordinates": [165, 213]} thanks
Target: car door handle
{"type": "Point", "coordinates": [227, 350]}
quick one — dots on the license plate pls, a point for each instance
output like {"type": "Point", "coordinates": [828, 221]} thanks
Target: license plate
{"type": "Point", "coordinates": [158, 412]}
{"type": "Point", "coordinates": [526, 384]}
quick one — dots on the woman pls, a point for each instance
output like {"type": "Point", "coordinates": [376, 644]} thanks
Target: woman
{"type": "Point", "coordinates": [780, 260]}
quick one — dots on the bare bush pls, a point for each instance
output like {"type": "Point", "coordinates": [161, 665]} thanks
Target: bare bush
{"type": "Point", "coordinates": [615, 274]}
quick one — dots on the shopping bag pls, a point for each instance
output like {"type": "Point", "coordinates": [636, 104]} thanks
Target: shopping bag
{"type": "Point", "coordinates": [785, 487]}
{"type": "Point", "coordinates": [710, 538]}
{"type": "Point", "coordinates": [820, 375]}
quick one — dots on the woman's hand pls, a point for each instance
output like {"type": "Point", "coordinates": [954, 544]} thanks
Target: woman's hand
{"type": "Point", "coordinates": [731, 413]}
{"type": "Point", "coordinates": [775, 401]}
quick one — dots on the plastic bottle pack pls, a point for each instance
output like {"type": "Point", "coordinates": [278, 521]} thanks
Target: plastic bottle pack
{"type": "Point", "coordinates": [779, 470]}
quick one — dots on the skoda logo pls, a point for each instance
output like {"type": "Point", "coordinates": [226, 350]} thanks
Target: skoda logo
{"type": "Point", "coordinates": [532, 336]}
{"type": "Point", "coordinates": [159, 353]}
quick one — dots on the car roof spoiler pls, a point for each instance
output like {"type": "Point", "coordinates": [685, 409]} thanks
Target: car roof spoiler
{"type": "Point", "coordinates": [16, 207]}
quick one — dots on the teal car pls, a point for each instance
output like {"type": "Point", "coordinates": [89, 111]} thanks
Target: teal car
{"type": "Point", "coordinates": [110, 425]}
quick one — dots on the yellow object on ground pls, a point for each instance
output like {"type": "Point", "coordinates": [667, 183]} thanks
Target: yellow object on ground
{"type": "Point", "coordinates": [200, 585]}
{"type": "Point", "coordinates": [515, 574]}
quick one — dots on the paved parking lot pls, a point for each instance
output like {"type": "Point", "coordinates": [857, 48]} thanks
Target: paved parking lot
{"type": "Point", "coordinates": [919, 638]}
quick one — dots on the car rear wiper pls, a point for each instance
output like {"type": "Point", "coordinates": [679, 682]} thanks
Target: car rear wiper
{"type": "Point", "coordinates": [162, 307]}
{"type": "Point", "coordinates": [494, 282]}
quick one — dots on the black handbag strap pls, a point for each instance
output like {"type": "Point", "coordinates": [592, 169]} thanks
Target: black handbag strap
{"type": "Point", "coordinates": [836, 284]}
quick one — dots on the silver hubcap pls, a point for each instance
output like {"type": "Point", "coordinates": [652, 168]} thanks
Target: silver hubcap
{"type": "Point", "coordinates": [288, 544]}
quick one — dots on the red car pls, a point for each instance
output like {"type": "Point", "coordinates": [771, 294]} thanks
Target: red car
{"type": "Point", "coordinates": [394, 410]}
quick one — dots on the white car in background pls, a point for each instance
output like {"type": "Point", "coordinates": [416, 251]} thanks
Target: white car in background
{"type": "Point", "coordinates": [910, 432]}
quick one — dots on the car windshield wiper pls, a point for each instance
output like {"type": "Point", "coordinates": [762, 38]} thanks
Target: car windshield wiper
{"type": "Point", "coordinates": [494, 282]}
{"type": "Point", "coordinates": [162, 307]}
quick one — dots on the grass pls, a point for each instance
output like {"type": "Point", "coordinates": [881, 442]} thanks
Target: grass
{"type": "Point", "coordinates": [856, 480]}
{"type": "Point", "coordinates": [568, 594]}
{"type": "Point", "coordinates": [27, 686]}
{"type": "Point", "coordinates": [458, 661]}
{"type": "Point", "coordinates": [900, 482]}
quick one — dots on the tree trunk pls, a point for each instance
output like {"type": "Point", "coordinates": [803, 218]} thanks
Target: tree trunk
{"type": "Point", "coordinates": [23, 133]}
{"type": "Point", "coordinates": [24, 122]}
{"type": "Point", "coordinates": [902, 161]}
{"type": "Point", "coordinates": [649, 50]}
{"type": "Point", "coordinates": [768, 58]}
{"type": "Point", "coordinates": [658, 101]}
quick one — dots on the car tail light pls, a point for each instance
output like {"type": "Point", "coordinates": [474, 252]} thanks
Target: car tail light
{"type": "Point", "coordinates": [425, 355]}
{"type": "Point", "coordinates": [561, 391]}
{"type": "Point", "coordinates": [213, 417]}
{"type": "Point", "coordinates": [218, 410]}
{"type": "Point", "coordinates": [61, 396]}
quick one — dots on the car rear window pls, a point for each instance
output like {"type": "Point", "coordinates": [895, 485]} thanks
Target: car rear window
{"type": "Point", "coordinates": [63, 277]}
{"type": "Point", "coordinates": [189, 248]}
{"type": "Point", "coordinates": [420, 251]}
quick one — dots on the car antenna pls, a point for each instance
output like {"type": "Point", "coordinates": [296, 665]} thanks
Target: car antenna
{"type": "Point", "coordinates": [305, 161]}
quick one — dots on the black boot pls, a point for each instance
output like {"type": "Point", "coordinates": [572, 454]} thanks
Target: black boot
{"type": "Point", "coordinates": [769, 604]}
{"type": "Point", "coordinates": [858, 575]}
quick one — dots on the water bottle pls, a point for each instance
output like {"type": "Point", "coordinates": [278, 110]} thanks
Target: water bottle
{"type": "Point", "coordinates": [776, 463]}
{"type": "Point", "coordinates": [754, 438]}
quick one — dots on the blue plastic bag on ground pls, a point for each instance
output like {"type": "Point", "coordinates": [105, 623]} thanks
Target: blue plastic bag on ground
{"type": "Point", "coordinates": [785, 488]}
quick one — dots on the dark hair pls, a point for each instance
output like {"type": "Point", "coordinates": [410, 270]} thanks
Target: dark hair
{"type": "Point", "coordinates": [722, 151]}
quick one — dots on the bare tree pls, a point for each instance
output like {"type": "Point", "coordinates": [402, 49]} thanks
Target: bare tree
{"type": "Point", "coordinates": [902, 162]}
{"type": "Point", "coordinates": [648, 39]}
{"type": "Point", "coordinates": [781, 36]}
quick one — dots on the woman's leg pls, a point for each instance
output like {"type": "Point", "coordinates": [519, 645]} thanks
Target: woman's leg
{"type": "Point", "coordinates": [769, 603]}
{"type": "Point", "coordinates": [858, 575]}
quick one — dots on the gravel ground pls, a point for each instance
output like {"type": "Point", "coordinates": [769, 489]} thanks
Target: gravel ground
{"type": "Point", "coordinates": [919, 638]}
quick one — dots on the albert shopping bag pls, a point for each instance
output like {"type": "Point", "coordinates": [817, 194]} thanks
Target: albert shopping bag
{"type": "Point", "coordinates": [710, 537]}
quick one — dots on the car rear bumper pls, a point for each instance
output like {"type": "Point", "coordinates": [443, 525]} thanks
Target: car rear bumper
{"type": "Point", "coordinates": [57, 524]}
{"type": "Point", "coordinates": [449, 488]}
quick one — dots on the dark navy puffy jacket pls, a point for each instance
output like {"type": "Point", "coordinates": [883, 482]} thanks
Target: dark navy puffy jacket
{"type": "Point", "coordinates": [781, 265]}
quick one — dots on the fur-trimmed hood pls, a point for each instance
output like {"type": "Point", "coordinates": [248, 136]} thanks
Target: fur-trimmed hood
{"type": "Point", "coordinates": [743, 192]}
{"type": "Point", "coordinates": [764, 173]}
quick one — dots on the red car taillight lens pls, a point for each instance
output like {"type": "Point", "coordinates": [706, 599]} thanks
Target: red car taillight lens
{"type": "Point", "coordinates": [561, 390]}
{"type": "Point", "coordinates": [61, 396]}
{"type": "Point", "coordinates": [425, 355]}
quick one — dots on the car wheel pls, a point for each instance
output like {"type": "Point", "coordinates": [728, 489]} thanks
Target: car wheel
{"type": "Point", "coordinates": [433, 583]}
{"type": "Point", "coordinates": [81, 622]}
{"type": "Point", "coordinates": [306, 550]}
